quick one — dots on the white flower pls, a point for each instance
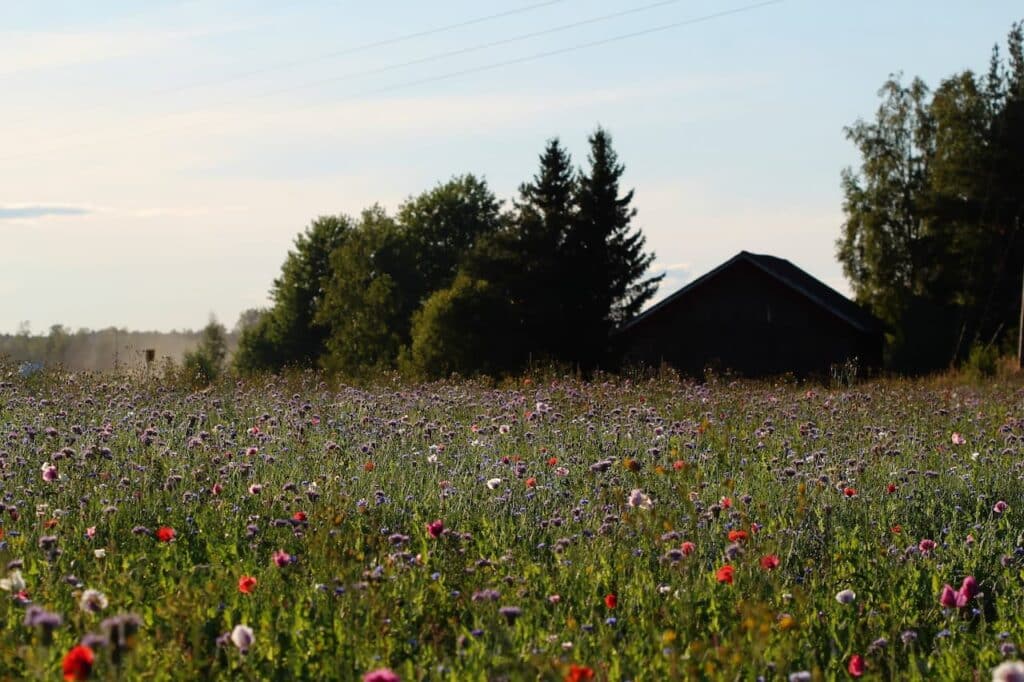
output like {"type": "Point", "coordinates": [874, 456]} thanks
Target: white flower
{"type": "Point", "coordinates": [92, 601]}
{"type": "Point", "coordinates": [242, 637]}
{"type": "Point", "coordinates": [13, 582]}
{"type": "Point", "coordinates": [845, 596]}
{"type": "Point", "coordinates": [432, 459]}
{"type": "Point", "coordinates": [1008, 671]}
{"type": "Point", "coordinates": [493, 483]}
{"type": "Point", "coordinates": [801, 676]}
{"type": "Point", "coordinates": [99, 553]}
{"type": "Point", "coordinates": [637, 498]}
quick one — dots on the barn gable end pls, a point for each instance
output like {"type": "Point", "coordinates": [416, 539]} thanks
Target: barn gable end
{"type": "Point", "coordinates": [756, 315]}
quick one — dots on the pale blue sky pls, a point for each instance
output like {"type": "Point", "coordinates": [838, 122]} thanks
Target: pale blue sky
{"type": "Point", "coordinates": [158, 157]}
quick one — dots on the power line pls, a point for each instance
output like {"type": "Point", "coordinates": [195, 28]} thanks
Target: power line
{"type": "Point", "coordinates": [525, 59]}
{"type": "Point", "coordinates": [467, 50]}
{"type": "Point", "coordinates": [368, 46]}
{"type": "Point", "coordinates": [329, 55]}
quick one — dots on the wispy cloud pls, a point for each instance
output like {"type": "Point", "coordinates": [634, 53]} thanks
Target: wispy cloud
{"type": "Point", "coordinates": [30, 212]}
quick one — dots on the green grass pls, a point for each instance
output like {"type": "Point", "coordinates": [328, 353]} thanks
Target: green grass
{"type": "Point", "coordinates": [354, 600]}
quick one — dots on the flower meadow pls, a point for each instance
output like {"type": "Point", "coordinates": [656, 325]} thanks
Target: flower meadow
{"type": "Point", "coordinates": [287, 529]}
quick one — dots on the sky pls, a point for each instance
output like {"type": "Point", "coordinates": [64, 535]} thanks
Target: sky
{"type": "Point", "coordinates": [158, 158]}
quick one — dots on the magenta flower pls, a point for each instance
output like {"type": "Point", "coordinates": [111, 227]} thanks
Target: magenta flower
{"type": "Point", "coordinates": [951, 598]}
{"type": "Point", "coordinates": [948, 597]}
{"type": "Point", "coordinates": [382, 675]}
{"type": "Point", "coordinates": [281, 558]}
{"type": "Point", "coordinates": [435, 528]}
{"type": "Point", "coordinates": [1000, 507]}
{"type": "Point", "coordinates": [926, 545]}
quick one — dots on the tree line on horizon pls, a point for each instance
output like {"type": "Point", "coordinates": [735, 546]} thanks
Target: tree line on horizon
{"type": "Point", "coordinates": [454, 282]}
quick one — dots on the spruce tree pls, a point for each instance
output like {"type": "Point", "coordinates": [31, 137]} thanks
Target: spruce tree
{"type": "Point", "coordinates": [605, 262]}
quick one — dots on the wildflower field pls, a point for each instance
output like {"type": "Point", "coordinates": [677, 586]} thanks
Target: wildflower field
{"type": "Point", "coordinates": [548, 530]}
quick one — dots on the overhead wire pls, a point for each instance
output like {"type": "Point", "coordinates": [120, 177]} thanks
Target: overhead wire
{"type": "Point", "coordinates": [507, 62]}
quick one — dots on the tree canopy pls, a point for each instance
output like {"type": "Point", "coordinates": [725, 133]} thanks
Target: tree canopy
{"type": "Point", "coordinates": [933, 240]}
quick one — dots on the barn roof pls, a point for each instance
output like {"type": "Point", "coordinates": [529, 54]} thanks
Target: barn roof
{"type": "Point", "coordinates": [789, 275]}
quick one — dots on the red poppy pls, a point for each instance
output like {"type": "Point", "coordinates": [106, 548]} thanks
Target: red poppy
{"type": "Point", "coordinates": [246, 584]}
{"type": "Point", "coordinates": [856, 665]}
{"type": "Point", "coordinates": [850, 492]}
{"type": "Point", "coordinates": [611, 600]}
{"type": "Point", "coordinates": [531, 482]}
{"type": "Point", "coordinates": [687, 548]}
{"type": "Point", "coordinates": [368, 466]}
{"type": "Point", "coordinates": [77, 663]}
{"type": "Point", "coordinates": [737, 535]}
{"type": "Point", "coordinates": [725, 574]}
{"type": "Point", "coordinates": [579, 673]}
{"type": "Point", "coordinates": [726, 502]}
{"type": "Point", "coordinates": [679, 465]}
{"type": "Point", "coordinates": [769, 562]}
{"type": "Point", "coordinates": [897, 529]}
{"type": "Point", "coordinates": [299, 516]}
{"type": "Point", "coordinates": [891, 488]}
{"type": "Point", "coordinates": [164, 533]}
{"type": "Point", "coordinates": [552, 461]}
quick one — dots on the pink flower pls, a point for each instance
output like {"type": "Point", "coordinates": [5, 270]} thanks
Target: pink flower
{"type": "Point", "coordinates": [688, 548]}
{"type": "Point", "coordinates": [281, 558]}
{"type": "Point", "coordinates": [957, 439]}
{"type": "Point", "coordinates": [435, 528]}
{"type": "Point", "coordinates": [969, 587]}
{"type": "Point", "coordinates": [951, 598]}
{"type": "Point", "coordinates": [856, 665]}
{"type": "Point", "coordinates": [90, 532]}
{"type": "Point", "coordinates": [554, 598]}
{"type": "Point", "coordinates": [217, 489]}
{"type": "Point", "coordinates": [1000, 507]}
{"type": "Point", "coordinates": [382, 675]}
{"type": "Point", "coordinates": [926, 545]}
{"type": "Point", "coordinates": [948, 597]}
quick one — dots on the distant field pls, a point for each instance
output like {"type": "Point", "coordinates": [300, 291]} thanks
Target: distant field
{"type": "Point", "coordinates": [549, 530]}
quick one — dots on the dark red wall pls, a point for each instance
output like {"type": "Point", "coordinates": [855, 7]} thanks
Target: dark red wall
{"type": "Point", "coordinates": [745, 320]}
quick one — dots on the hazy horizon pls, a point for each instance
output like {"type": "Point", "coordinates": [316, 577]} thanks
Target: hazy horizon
{"type": "Point", "coordinates": [159, 162]}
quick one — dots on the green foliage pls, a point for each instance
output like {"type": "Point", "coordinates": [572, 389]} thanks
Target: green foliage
{"type": "Point", "coordinates": [462, 330]}
{"type": "Point", "coordinates": [390, 266]}
{"type": "Point", "coordinates": [545, 282]}
{"type": "Point", "coordinates": [933, 240]}
{"type": "Point", "coordinates": [205, 364]}
{"type": "Point", "coordinates": [982, 361]}
{"type": "Point", "coordinates": [289, 334]}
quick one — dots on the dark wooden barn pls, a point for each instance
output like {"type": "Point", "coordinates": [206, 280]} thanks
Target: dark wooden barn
{"type": "Point", "coordinates": [755, 315]}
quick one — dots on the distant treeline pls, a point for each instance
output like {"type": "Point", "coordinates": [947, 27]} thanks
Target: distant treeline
{"type": "Point", "coordinates": [933, 241]}
{"type": "Point", "coordinates": [99, 350]}
{"type": "Point", "coordinates": [459, 282]}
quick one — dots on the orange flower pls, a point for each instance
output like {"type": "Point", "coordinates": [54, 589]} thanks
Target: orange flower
{"type": "Point", "coordinates": [246, 584]}
{"type": "Point", "coordinates": [77, 663]}
{"type": "Point", "coordinates": [165, 533]}
{"type": "Point", "coordinates": [579, 673]}
{"type": "Point", "coordinates": [611, 600]}
{"type": "Point", "coordinates": [737, 535]}
{"type": "Point", "coordinates": [299, 516]}
{"type": "Point", "coordinates": [368, 466]}
{"type": "Point", "coordinates": [725, 574]}
{"type": "Point", "coordinates": [552, 461]}
{"type": "Point", "coordinates": [531, 482]}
